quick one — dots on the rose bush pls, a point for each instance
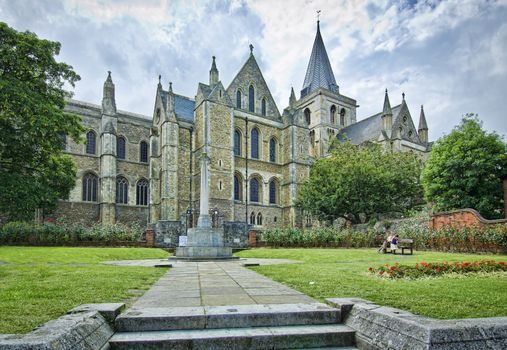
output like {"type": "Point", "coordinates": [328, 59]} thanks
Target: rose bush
{"type": "Point", "coordinates": [424, 269]}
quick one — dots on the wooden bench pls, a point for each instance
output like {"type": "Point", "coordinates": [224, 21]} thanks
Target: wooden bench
{"type": "Point", "coordinates": [404, 244]}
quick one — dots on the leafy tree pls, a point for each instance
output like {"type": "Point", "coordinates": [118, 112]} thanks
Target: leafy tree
{"type": "Point", "coordinates": [34, 172]}
{"type": "Point", "coordinates": [360, 180]}
{"type": "Point", "coordinates": [464, 170]}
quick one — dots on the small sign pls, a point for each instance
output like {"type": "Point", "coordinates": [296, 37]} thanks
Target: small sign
{"type": "Point", "coordinates": [236, 240]}
{"type": "Point", "coordinates": [183, 241]}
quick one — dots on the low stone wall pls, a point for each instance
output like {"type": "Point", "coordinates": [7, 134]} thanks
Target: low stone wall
{"type": "Point", "coordinates": [167, 233]}
{"type": "Point", "coordinates": [236, 234]}
{"type": "Point", "coordinates": [85, 213]}
{"type": "Point", "coordinates": [460, 219]}
{"type": "Point", "coordinates": [87, 327]}
{"type": "Point", "coordinates": [378, 327]}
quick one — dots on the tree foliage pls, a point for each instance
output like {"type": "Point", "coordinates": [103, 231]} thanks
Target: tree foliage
{"type": "Point", "coordinates": [360, 180]}
{"type": "Point", "coordinates": [33, 171]}
{"type": "Point", "coordinates": [464, 170]}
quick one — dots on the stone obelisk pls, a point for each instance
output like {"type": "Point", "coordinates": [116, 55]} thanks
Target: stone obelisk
{"type": "Point", "coordinates": [203, 221]}
{"type": "Point", "coordinates": [203, 241]}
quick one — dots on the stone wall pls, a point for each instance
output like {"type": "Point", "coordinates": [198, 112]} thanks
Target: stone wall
{"type": "Point", "coordinates": [167, 233]}
{"type": "Point", "coordinates": [236, 234]}
{"type": "Point", "coordinates": [379, 327]}
{"type": "Point", "coordinates": [127, 214]}
{"type": "Point", "coordinates": [460, 219]}
{"type": "Point", "coordinates": [86, 213]}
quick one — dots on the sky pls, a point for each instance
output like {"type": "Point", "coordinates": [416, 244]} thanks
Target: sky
{"type": "Point", "coordinates": [450, 56]}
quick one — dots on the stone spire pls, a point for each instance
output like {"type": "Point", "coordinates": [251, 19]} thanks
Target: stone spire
{"type": "Point", "coordinates": [213, 73]}
{"type": "Point", "coordinates": [108, 100]}
{"type": "Point", "coordinates": [292, 98]}
{"type": "Point", "coordinates": [319, 73]}
{"type": "Point", "coordinates": [423, 127]}
{"type": "Point", "coordinates": [387, 115]}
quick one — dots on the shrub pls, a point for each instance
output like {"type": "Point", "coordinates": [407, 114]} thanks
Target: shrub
{"type": "Point", "coordinates": [23, 232]}
{"type": "Point", "coordinates": [488, 239]}
{"type": "Point", "coordinates": [424, 269]}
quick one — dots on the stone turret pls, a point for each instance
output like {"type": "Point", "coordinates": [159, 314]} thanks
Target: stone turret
{"type": "Point", "coordinates": [387, 116]}
{"type": "Point", "coordinates": [108, 100]}
{"type": "Point", "coordinates": [109, 124]}
{"type": "Point", "coordinates": [423, 127]}
{"type": "Point", "coordinates": [213, 73]}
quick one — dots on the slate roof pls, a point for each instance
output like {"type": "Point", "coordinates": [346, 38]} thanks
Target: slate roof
{"type": "Point", "coordinates": [183, 106]}
{"type": "Point", "coordinates": [367, 129]}
{"type": "Point", "coordinates": [319, 73]}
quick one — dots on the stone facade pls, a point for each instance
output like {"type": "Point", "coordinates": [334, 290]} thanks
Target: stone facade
{"type": "Point", "coordinates": [146, 169]}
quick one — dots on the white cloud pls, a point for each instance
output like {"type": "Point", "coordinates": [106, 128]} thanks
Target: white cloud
{"type": "Point", "coordinates": [448, 55]}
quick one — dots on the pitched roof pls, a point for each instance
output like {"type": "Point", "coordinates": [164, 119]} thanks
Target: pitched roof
{"type": "Point", "coordinates": [183, 106]}
{"type": "Point", "coordinates": [368, 129]}
{"type": "Point", "coordinates": [319, 73]}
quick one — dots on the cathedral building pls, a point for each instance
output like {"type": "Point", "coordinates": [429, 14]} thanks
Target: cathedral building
{"type": "Point", "coordinates": [146, 169]}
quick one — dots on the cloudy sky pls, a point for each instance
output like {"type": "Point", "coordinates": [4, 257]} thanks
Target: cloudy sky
{"type": "Point", "coordinates": [450, 56]}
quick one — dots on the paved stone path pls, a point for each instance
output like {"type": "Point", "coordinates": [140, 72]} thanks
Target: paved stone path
{"type": "Point", "coordinates": [217, 283]}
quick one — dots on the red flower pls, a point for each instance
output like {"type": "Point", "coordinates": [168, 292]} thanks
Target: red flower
{"type": "Point", "coordinates": [370, 269]}
{"type": "Point", "coordinates": [437, 269]}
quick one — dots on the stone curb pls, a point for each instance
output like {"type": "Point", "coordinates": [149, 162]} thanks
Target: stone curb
{"type": "Point", "coordinates": [85, 327]}
{"type": "Point", "coordinates": [379, 327]}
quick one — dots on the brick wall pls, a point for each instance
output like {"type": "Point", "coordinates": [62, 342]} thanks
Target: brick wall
{"type": "Point", "coordinates": [461, 218]}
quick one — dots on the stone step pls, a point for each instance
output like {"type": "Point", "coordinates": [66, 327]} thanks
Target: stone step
{"type": "Point", "coordinates": [238, 316]}
{"type": "Point", "coordinates": [285, 337]}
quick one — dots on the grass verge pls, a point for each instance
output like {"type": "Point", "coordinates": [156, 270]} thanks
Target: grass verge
{"type": "Point", "coordinates": [40, 283]}
{"type": "Point", "coordinates": [326, 273]}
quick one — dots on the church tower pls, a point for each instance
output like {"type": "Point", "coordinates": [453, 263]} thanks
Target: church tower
{"type": "Point", "coordinates": [325, 110]}
{"type": "Point", "coordinates": [109, 124]}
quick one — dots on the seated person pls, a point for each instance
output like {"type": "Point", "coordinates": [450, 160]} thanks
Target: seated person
{"type": "Point", "coordinates": [394, 244]}
{"type": "Point", "coordinates": [384, 245]}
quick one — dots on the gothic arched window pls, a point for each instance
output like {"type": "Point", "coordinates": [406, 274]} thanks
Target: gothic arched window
{"type": "Point", "coordinates": [122, 190]}
{"type": "Point", "coordinates": [142, 192]}
{"type": "Point", "coordinates": [237, 188]}
{"type": "Point", "coordinates": [252, 218]}
{"type": "Point", "coordinates": [259, 219]}
{"type": "Point", "coordinates": [143, 152]}
{"type": "Point", "coordinates": [308, 116]}
{"type": "Point", "coordinates": [254, 143]}
{"type": "Point", "coordinates": [332, 114]}
{"type": "Point", "coordinates": [90, 142]}
{"type": "Point", "coordinates": [263, 106]}
{"type": "Point", "coordinates": [254, 190]}
{"type": "Point", "coordinates": [272, 150]}
{"type": "Point", "coordinates": [237, 143]}
{"type": "Point", "coordinates": [238, 99]}
{"type": "Point", "coordinates": [342, 117]}
{"type": "Point", "coordinates": [120, 147]}
{"type": "Point", "coordinates": [272, 192]}
{"type": "Point", "coordinates": [251, 99]}
{"type": "Point", "coordinates": [90, 184]}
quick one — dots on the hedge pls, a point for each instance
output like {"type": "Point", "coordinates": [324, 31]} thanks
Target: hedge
{"type": "Point", "coordinates": [24, 232]}
{"type": "Point", "coordinates": [489, 239]}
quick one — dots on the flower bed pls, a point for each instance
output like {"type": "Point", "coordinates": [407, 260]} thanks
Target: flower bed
{"type": "Point", "coordinates": [424, 269]}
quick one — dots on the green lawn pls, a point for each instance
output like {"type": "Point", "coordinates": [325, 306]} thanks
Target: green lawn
{"type": "Point", "coordinates": [326, 273]}
{"type": "Point", "coordinates": [43, 283]}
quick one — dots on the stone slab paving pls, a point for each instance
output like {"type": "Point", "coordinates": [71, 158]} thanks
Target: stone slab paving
{"type": "Point", "coordinates": [189, 284]}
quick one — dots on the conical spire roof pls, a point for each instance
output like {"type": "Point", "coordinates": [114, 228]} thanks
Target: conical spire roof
{"type": "Point", "coordinates": [292, 98]}
{"type": "Point", "coordinates": [387, 106]}
{"type": "Point", "coordinates": [319, 73]}
{"type": "Point", "coordinates": [422, 120]}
